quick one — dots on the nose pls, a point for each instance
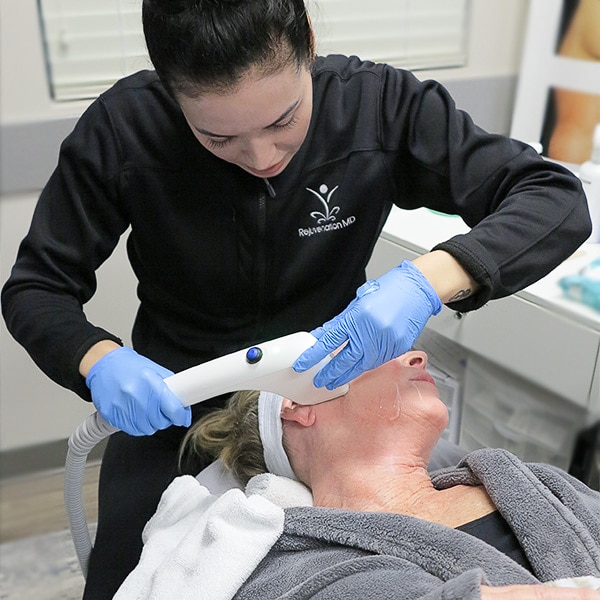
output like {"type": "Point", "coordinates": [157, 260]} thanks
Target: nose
{"type": "Point", "coordinates": [414, 358]}
{"type": "Point", "coordinates": [260, 154]}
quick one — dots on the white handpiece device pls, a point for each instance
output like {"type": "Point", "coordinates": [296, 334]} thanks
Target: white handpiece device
{"type": "Point", "coordinates": [266, 367]}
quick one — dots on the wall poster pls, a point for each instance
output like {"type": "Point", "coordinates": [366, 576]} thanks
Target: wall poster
{"type": "Point", "coordinates": [558, 97]}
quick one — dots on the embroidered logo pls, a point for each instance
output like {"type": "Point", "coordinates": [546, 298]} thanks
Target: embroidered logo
{"type": "Point", "coordinates": [326, 218]}
{"type": "Point", "coordinates": [329, 213]}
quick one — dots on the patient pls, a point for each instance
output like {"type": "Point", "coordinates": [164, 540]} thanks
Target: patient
{"type": "Point", "coordinates": [381, 525]}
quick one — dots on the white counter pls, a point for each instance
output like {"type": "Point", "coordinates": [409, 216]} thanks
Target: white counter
{"type": "Point", "coordinates": [538, 334]}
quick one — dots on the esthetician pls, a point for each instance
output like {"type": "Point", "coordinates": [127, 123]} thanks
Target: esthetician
{"type": "Point", "coordinates": [254, 178]}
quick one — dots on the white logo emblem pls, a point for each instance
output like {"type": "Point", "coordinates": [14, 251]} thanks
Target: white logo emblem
{"type": "Point", "coordinates": [324, 196]}
{"type": "Point", "coordinates": [326, 220]}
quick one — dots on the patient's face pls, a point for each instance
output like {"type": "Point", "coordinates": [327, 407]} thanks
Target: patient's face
{"type": "Point", "coordinates": [399, 397]}
{"type": "Point", "coordinates": [394, 388]}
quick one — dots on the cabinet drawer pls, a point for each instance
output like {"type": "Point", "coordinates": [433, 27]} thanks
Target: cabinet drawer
{"type": "Point", "coordinates": [544, 347]}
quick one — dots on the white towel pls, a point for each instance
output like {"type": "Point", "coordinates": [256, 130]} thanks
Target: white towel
{"type": "Point", "coordinates": [280, 490]}
{"type": "Point", "coordinates": [588, 582]}
{"type": "Point", "coordinates": [218, 479]}
{"type": "Point", "coordinates": [199, 546]}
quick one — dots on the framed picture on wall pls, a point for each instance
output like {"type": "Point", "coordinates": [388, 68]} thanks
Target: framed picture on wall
{"type": "Point", "coordinates": [558, 96]}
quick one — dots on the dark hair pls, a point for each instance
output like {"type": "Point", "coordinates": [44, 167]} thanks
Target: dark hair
{"type": "Point", "coordinates": [211, 44]}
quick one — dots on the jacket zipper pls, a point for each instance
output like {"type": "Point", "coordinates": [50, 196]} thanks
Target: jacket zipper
{"type": "Point", "coordinates": [261, 260]}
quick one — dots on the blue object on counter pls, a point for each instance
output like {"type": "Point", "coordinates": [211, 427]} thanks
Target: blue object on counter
{"type": "Point", "coordinates": [584, 286]}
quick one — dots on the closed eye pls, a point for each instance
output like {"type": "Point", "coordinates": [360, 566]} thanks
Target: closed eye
{"type": "Point", "coordinates": [287, 125]}
{"type": "Point", "coordinates": [218, 143]}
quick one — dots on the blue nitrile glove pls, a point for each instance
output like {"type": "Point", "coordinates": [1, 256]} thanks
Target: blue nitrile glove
{"type": "Point", "coordinates": [129, 392]}
{"type": "Point", "coordinates": [381, 323]}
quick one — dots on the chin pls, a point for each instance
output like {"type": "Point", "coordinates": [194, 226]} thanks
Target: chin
{"type": "Point", "coordinates": [440, 419]}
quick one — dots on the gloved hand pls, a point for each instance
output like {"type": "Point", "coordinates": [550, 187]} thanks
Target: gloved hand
{"type": "Point", "coordinates": [129, 392]}
{"type": "Point", "coordinates": [381, 323]}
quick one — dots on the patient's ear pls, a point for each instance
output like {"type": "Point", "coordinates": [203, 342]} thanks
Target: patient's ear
{"type": "Point", "coordinates": [303, 415]}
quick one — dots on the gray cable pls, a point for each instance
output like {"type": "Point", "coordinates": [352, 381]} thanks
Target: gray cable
{"type": "Point", "coordinates": [89, 433]}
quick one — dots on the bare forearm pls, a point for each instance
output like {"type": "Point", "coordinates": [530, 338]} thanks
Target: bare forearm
{"type": "Point", "coordinates": [446, 276]}
{"type": "Point", "coordinates": [94, 354]}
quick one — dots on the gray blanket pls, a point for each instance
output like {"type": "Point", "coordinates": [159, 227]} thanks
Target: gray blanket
{"type": "Point", "coordinates": [335, 554]}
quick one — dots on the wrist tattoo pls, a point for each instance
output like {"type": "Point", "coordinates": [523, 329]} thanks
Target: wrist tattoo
{"type": "Point", "coordinates": [460, 295]}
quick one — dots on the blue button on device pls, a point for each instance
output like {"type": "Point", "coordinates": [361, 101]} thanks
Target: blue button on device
{"type": "Point", "coordinates": [253, 355]}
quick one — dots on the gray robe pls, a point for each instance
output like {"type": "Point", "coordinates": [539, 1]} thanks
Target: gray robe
{"type": "Point", "coordinates": [330, 553]}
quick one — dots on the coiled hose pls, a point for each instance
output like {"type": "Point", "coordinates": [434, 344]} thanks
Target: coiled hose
{"type": "Point", "coordinates": [89, 433]}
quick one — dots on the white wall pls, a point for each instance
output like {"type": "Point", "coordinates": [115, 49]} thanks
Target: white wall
{"type": "Point", "coordinates": [33, 409]}
{"type": "Point", "coordinates": [496, 32]}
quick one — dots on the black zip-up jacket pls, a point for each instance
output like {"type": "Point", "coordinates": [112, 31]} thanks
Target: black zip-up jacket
{"type": "Point", "coordinates": [225, 260]}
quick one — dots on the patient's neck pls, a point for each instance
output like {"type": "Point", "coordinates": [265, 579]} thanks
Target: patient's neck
{"type": "Point", "coordinates": [382, 473]}
{"type": "Point", "coordinates": [374, 488]}
{"type": "Point", "coordinates": [403, 488]}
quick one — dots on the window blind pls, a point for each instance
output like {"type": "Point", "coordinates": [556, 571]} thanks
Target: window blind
{"type": "Point", "coordinates": [89, 44]}
{"type": "Point", "coordinates": [413, 34]}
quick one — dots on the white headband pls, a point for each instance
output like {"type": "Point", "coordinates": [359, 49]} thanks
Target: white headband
{"type": "Point", "coordinates": [271, 434]}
